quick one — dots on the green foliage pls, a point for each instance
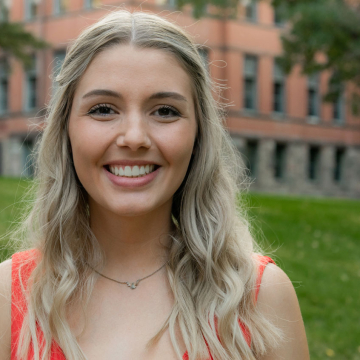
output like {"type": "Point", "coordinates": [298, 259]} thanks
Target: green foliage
{"type": "Point", "coordinates": [12, 204]}
{"type": "Point", "coordinates": [328, 27]}
{"type": "Point", "coordinates": [15, 40]}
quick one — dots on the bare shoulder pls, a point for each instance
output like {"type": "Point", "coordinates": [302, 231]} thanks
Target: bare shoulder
{"type": "Point", "coordinates": [5, 309]}
{"type": "Point", "coordinates": [278, 302]}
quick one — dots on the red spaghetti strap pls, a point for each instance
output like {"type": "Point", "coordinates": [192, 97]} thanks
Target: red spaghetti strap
{"type": "Point", "coordinates": [23, 264]}
{"type": "Point", "coordinates": [262, 262]}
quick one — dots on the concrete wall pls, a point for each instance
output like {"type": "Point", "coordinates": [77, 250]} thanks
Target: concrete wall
{"type": "Point", "coordinates": [295, 180]}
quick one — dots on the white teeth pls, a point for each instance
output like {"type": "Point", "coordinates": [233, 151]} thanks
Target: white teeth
{"type": "Point", "coordinates": [132, 171]}
{"type": "Point", "coordinates": [135, 171]}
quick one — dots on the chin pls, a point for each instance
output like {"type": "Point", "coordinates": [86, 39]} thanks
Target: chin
{"type": "Point", "coordinates": [130, 211]}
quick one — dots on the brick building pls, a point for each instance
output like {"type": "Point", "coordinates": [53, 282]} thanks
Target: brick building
{"type": "Point", "coordinates": [291, 141]}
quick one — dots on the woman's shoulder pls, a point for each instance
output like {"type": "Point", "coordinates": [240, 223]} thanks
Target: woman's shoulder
{"type": "Point", "coordinates": [278, 303]}
{"type": "Point", "coordinates": [5, 309]}
{"type": "Point", "coordinates": [276, 290]}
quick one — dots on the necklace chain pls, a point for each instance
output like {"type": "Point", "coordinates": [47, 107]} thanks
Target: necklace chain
{"type": "Point", "coordinates": [131, 285]}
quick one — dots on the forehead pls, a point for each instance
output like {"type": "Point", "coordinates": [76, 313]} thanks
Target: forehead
{"type": "Point", "coordinates": [125, 67]}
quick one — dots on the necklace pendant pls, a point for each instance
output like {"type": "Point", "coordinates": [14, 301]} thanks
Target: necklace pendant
{"type": "Point", "coordinates": [132, 286]}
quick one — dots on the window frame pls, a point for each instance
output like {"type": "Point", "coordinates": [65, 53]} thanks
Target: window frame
{"type": "Point", "coordinates": [313, 85]}
{"type": "Point", "coordinates": [253, 16]}
{"type": "Point", "coordinates": [4, 76]}
{"type": "Point", "coordinates": [31, 72]}
{"type": "Point", "coordinates": [314, 169]}
{"type": "Point", "coordinates": [341, 105]}
{"type": "Point", "coordinates": [29, 13]}
{"type": "Point", "coordinates": [250, 76]}
{"type": "Point", "coordinates": [280, 162]}
{"type": "Point", "coordinates": [59, 7]}
{"type": "Point", "coordinates": [251, 158]}
{"type": "Point", "coordinates": [338, 170]}
{"type": "Point", "coordinates": [4, 13]}
{"type": "Point", "coordinates": [279, 77]}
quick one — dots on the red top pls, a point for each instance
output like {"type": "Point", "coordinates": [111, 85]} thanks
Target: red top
{"type": "Point", "coordinates": [22, 266]}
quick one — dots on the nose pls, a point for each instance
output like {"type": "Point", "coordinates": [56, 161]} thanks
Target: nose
{"type": "Point", "coordinates": [134, 133]}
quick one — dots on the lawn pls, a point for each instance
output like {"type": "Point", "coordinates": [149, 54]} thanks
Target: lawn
{"type": "Point", "coordinates": [317, 243]}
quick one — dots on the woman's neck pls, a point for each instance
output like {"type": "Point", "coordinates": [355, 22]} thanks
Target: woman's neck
{"type": "Point", "coordinates": [134, 246]}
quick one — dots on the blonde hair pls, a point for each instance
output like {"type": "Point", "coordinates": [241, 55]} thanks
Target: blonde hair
{"type": "Point", "coordinates": [212, 271]}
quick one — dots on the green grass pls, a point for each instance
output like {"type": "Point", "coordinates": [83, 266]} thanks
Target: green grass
{"type": "Point", "coordinates": [317, 243]}
{"type": "Point", "coordinates": [11, 204]}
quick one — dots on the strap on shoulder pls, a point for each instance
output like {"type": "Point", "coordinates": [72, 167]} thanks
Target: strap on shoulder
{"type": "Point", "coordinates": [23, 263]}
{"type": "Point", "coordinates": [262, 262]}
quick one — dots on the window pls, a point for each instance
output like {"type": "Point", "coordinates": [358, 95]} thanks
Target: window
{"type": "Point", "coordinates": [4, 11]}
{"type": "Point", "coordinates": [28, 159]}
{"type": "Point", "coordinates": [31, 8]}
{"type": "Point", "coordinates": [4, 86]}
{"type": "Point", "coordinates": [250, 82]}
{"type": "Point", "coordinates": [339, 110]}
{"type": "Point", "coordinates": [279, 89]}
{"type": "Point", "coordinates": [59, 57]}
{"type": "Point", "coordinates": [251, 156]}
{"type": "Point", "coordinates": [339, 164]}
{"type": "Point", "coordinates": [313, 96]}
{"type": "Point", "coordinates": [169, 3]}
{"type": "Point", "coordinates": [89, 4]}
{"type": "Point", "coordinates": [251, 11]}
{"type": "Point", "coordinates": [31, 87]}
{"type": "Point", "coordinates": [280, 161]}
{"type": "Point", "coordinates": [314, 162]}
{"type": "Point", "coordinates": [204, 53]}
{"type": "Point", "coordinates": [59, 6]}
{"type": "Point", "coordinates": [279, 16]}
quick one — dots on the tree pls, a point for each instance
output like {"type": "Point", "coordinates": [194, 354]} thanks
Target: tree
{"type": "Point", "coordinates": [15, 40]}
{"type": "Point", "coordinates": [324, 35]}
{"type": "Point", "coordinates": [327, 27]}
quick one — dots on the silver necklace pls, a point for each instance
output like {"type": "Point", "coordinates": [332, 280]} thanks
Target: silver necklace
{"type": "Point", "coordinates": [131, 285]}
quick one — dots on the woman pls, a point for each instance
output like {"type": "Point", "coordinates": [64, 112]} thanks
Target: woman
{"type": "Point", "coordinates": [139, 250]}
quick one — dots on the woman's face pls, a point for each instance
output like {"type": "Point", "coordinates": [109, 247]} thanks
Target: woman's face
{"type": "Point", "coordinates": [132, 129]}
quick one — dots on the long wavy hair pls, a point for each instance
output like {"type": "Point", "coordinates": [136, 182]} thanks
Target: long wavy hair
{"type": "Point", "coordinates": [211, 269]}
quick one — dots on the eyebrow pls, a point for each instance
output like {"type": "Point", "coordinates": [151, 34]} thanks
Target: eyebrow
{"type": "Point", "coordinates": [158, 95]}
{"type": "Point", "coordinates": [168, 94]}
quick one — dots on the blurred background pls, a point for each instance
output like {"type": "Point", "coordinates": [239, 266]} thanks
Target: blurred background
{"type": "Point", "coordinates": [290, 76]}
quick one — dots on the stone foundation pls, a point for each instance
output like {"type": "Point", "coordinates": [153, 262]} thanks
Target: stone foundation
{"type": "Point", "coordinates": [295, 178]}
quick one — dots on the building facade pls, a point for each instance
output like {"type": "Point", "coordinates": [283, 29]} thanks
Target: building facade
{"type": "Point", "coordinates": [290, 140]}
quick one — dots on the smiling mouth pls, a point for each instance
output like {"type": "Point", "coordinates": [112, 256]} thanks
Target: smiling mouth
{"type": "Point", "coordinates": [131, 171]}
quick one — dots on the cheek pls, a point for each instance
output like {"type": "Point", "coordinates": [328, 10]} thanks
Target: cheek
{"type": "Point", "coordinates": [179, 147]}
{"type": "Point", "coordinates": [86, 148]}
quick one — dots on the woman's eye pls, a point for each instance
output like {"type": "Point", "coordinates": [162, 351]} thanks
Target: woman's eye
{"type": "Point", "coordinates": [167, 112]}
{"type": "Point", "coordinates": [101, 110]}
